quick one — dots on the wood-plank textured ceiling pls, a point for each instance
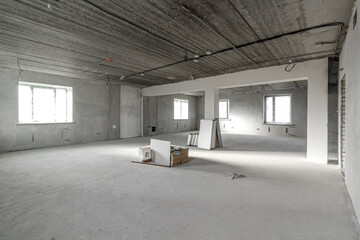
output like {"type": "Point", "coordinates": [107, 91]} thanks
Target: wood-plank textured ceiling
{"type": "Point", "coordinates": [153, 42]}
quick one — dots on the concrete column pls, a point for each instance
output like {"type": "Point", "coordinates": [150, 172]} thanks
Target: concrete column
{"type": "Point", "coordinates": [317, 122]}
{"type": "Point", "coordinates": [114, 121]}
{"type": "Point", "coordinates": [211, 103]}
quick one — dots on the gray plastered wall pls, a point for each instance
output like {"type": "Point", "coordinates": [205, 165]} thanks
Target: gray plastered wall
{"type": "Point", "coordinates": [159, 112]}
{"type": "Point", "coordinates": [96, 113]}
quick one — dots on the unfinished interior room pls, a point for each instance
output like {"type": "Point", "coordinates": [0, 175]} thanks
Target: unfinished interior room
{"type": "Point", "coordinates": [189, 120]}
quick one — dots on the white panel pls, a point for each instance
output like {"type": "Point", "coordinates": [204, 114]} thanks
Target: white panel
{"type": "Point", "coordinates": [206, 134]}
{"type": "Point", "coordinates": [160, 152]}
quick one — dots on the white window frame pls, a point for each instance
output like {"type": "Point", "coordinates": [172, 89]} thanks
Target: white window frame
{"type": "Point", "coordinates": [227, 110]}
{"type": "Point", "coordinates": [69, 101]}
{"type": "Point", "coordinates": [274, 109]}
{"type": "Point", "coordinates": [181, 102]}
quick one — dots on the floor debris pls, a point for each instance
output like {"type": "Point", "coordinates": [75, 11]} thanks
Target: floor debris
{"type": "Point", "coordinates": [233, 176]}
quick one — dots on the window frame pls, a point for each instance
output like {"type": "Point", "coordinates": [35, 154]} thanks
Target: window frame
{"type": "Point", "coordinates": [181, 100]}
{"type": "Point", "coordinates": [274, 109]}
{"type": "Point", "coordinates": [228, 109]}
{"type": "Point", "coordinates": [54, 87]}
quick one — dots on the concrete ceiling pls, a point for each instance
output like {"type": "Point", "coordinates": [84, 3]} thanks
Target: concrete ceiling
{"type": "Point", "coordinates": [266, 87]}
{"type": "Point", "coordinates": [160, 38]}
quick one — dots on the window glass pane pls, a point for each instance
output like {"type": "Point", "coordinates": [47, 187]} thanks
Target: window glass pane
{"type": "Point", "coordinates": [176, 109]}
{"type": "Point", "coordinates": [223, 109]}
{"type": "Point", "coordinates": [181, 109]}
{"type": "Point", "coordinates": [69, 105]}
{"type": "Point", "coordinates": [282, 109]}
{"type": "Point", "coordinates": [269, 109]}
{"type": "Point", "coordinates": [184, 110]}
{"type": "Point", "coordinates": [25, 99]}
{"type": "Point", "coordinates": [44, 105]}
{"type": "Point", "coordinates": [61, 105]}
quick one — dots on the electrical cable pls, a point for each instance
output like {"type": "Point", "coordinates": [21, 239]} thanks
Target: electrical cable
{"type": "Point", "coordinates": [333, 24]}
{"type": "Point", "coordinates": [188, 11]}
{"type": "Point", "coordinates": [20, 69]}
{"type": "Point", "coordinates": [253, 30]}
{"type": "Point", "coordinates": [122, 6]}
{"type": "Point", "coordinates": [325, 54]}
{"type": "Point", "coordinates": [134, 25]}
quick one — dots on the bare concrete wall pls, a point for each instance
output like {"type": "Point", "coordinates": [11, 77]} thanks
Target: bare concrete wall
{"type": "Point", "coordinates": [349, 68]}
{"type": "Point", "coordinates": [114, 112]}
{"type": "Point", "coordinates": [246, 113]}
{"type": "Point", "coordinates": [333, 122]}
{"type": "Point", "coordinates": [130, 112]}
{"type": "Point", "coordinates": [200, 110]}
{"type": "Point", "coordinates": [160, 110]}
{"type": "Point", "coordinates": [149, 115]}
{"type": "Point", "coordinates": [91, 103]}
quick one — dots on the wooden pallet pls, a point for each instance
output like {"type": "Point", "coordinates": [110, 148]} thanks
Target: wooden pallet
{"type": "Point", "coordinates": [150, 163]}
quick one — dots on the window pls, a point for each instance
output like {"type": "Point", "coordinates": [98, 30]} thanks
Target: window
{"type": "Point", "coordinates": [43, 103]}
{"type": "Point", "coordinates": [224, 108]}
{"type": "Point", "coordinates": [278, 109]}
{"type": "Point", "coordinates": [181, 109]}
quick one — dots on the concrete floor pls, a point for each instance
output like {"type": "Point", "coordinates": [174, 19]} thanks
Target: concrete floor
{"type": "Point", "coordinates": [92, 191]}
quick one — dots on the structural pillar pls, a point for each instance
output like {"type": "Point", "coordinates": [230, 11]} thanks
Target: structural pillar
{"type": "Point", "coordinates": [211, 103]}
{"type": "Point", "coordinates": [317, 119]}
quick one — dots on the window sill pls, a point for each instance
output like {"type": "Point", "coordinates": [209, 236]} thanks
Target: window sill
{"type": "Point", "coordinates": [181, 119]}
{"type": "Point", "coordinates": [55, 123]}
{"type": "Point", "coordinates": [279, 124]}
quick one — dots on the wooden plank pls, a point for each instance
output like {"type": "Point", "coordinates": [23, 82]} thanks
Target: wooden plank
{"type": "Point", "coordinates": [150, 163]}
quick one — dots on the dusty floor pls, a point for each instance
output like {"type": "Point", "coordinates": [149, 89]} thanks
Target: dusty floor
{"type": "Point", "coordinates": [92, 191]}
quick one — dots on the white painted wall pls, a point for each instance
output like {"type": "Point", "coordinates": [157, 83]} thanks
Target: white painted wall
{"type": "Point", "coordinates": [130, 112]}
{"type": "Point", "coordinates": [315, 71]}
{"type": "Point", "coordinates": [350, 62]}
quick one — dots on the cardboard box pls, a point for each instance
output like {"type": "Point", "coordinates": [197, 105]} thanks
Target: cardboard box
{"type": "Point", "coordinates": [175, 158]}
{"type": "Point", "coordinates": [178, 156]}
{"type": "Point", "coordinates": [184, 155]}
